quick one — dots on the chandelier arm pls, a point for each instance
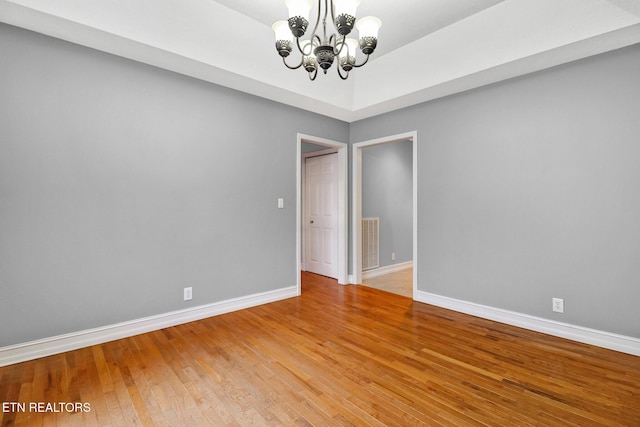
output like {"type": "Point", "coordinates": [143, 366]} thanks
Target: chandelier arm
{"type": "Point", "coordinates": [284, 60]}
{"type": "Point", "coordinates": [360, 65]}
{"type": "Point", "coordinates": [342, 45]}
{"type": "Point", "coordinates": [345, 77]}
{"type": "Point", "coordinates": [314, 36]}
{"type": "Point", "coordinates": [300, 48]}
{"type": "Point", "coordinates": [314, 74]}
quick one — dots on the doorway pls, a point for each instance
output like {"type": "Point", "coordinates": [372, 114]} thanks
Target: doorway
{"type": "Point", "coordinates": [340, 149]}
{"type": "Point", "coordinates": [357, 276]}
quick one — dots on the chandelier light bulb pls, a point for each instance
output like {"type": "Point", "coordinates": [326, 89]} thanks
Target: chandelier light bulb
{"type": "Point", "coordinates": [300, 8]}
{"type": "Point", "coordinates": [282, 31]}
{"type": "Point", "coordinates": [368, 28]}
{"type": "Point", "coordinates": [309, 62]}
{"type": "Point", "coordinates": [298, 16]}
{"type": "Point", "coordinates": [350, 48]}
{"type": "Point", "coordinates": [344, 15]}
{"type": "Point", "coordinates": [284, 38]}
{"type": "Point", "coordinates": [346, 7]}
{"type": "Point", "coordinates": [347, 55]}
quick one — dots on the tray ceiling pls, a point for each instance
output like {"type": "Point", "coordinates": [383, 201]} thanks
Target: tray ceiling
{"type": "Point", "coordinates": [427, 48]}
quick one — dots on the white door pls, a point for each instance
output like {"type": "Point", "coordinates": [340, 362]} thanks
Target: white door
{"type": "Point", "coordinates": [321, 193]}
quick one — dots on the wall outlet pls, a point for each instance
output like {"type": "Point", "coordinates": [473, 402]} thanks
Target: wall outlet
{"type": "Point", "coordinates": [188, 293]}
{"type": "Point", "coordinates": [393, 256]}
{"type": "Point", "coordinates": [558, 305]}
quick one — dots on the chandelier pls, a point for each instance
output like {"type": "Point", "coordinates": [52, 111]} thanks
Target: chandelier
{"type": "Point", "coordinates": [321, 48]}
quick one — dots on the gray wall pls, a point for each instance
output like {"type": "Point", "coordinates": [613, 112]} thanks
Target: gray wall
{"type": "Point", "coordinates": [530, 189]}
{"type": "Point", "coordinates": [387, 193]}
{"type": "Point", "coordinates": [120, 184]}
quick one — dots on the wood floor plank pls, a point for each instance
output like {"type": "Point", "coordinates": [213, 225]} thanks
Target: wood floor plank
{"type": "Point", "coordinates": [337, 355]}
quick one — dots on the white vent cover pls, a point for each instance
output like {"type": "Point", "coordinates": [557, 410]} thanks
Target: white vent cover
{"type": "Point", "coordinates": [370, 243]}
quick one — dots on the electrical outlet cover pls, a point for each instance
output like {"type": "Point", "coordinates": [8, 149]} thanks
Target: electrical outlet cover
{"type": "Point", "coordinates": [558, 305]}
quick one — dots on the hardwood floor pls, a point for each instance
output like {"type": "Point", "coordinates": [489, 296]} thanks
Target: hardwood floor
{"type": "Point", "coordinates": [399, 282]}
{"type": "Point", "coordinates": [337, 355]}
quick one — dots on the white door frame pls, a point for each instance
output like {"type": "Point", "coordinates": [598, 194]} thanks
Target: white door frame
{"type": "Point", "coordinates": [343, 204]}
{"type": "Point", "coordinates": [356, 227]}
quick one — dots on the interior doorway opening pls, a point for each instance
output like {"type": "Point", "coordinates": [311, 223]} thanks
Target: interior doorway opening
{"type": "Point", "coordinates": [356, 226]}
{"type": "Point", "coordinates": [326, 146]}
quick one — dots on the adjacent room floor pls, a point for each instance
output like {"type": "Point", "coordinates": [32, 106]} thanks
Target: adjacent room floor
{"type": "Point", "coordinates": [399, 282]}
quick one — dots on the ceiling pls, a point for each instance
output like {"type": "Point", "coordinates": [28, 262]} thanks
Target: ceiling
{"type": "Point", "coordinates": [426, 49]}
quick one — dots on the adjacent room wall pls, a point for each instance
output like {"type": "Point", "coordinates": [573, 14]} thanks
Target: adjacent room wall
{"type": "Point", "coordinates": [387, 193]}
{"type": "Point", "coordinates": [121, 184]}
{"type": "Point", "coordinates": [528, 190]}
{"type": "Point", "coordinates": [307, 147]}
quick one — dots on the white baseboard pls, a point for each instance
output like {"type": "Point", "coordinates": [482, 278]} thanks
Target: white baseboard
{"type": "Point", "coordinates": [369, 274]}
{"type": "Point", "coordinates": [72, 341]}
{"type": "Point", "coordinates": [624, 344]}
